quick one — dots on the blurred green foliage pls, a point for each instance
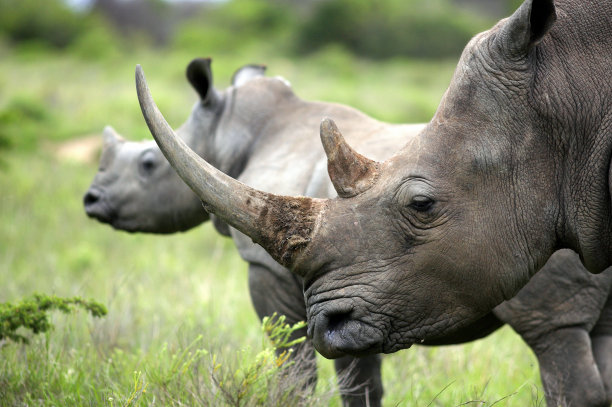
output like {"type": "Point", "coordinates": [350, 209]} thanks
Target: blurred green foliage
{"type": "Point", "coordinates": [50, 22]}
{"type": "Point", "coordinates": [381, 29]}
{"type": "Point", "coordinates": [389, 28]}
{"type": "Point", "coordinates": [236, 25]}
{"type": "Point", "coordinates": [22, 121]}
{"type": "Point", "coordinates": [98, 42]}
{"type": "Point", "coordinates": [52, 25]}
{"type": "Point", "coordinates": [513, 5]}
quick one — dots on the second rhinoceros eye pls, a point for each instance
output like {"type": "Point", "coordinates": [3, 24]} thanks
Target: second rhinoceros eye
{"type": "Point", "coordinates": [147, 163]}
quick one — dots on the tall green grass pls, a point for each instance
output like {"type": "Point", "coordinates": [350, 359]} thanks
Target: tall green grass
{"type": "Point", "coordinates": [178, 305]}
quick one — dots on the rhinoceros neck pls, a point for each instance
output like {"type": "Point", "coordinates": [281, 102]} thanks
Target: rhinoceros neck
{"type": "Point", "coordinates": [573, 93]}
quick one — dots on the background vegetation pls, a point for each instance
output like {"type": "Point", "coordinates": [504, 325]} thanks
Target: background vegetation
{"type": "Point", "coordinates": [179, 318]}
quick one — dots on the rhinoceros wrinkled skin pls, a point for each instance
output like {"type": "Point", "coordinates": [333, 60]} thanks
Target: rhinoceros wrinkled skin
{"type": "Point", "coordinates": [513, 166]}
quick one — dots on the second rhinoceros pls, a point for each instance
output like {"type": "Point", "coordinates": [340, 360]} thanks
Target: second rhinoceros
{"type": "Point", "coordinates": [556, 313]}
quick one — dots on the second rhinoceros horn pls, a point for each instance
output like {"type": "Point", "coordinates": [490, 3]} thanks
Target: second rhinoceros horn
{"type": "Point", "coordinates": [281, 225]}
{"type": "Point", "coordinates": [350, 172]}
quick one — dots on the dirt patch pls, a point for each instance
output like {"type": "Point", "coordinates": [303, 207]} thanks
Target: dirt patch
{"type": "Point", "coordinates": [85, 149]}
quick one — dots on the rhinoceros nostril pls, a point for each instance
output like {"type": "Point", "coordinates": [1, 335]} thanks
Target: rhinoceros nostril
{"type": "Point", "coordinates": [337, 320]}
{"type": "Point", "coordinates": [91, 197]}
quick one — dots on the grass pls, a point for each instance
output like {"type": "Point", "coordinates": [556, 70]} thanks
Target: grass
{"type": "Point", "coordinates": [178, 305]}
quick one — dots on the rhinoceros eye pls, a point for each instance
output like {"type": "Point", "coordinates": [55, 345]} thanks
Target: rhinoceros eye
{"type": "Point", "coordinates": [421, 203]}
{"type": "Point", "coordinates": [147, 163]}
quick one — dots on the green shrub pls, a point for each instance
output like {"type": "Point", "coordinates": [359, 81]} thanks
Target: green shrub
{"type": "Point", "coordinates": [99, 41]}
{"type": "Point", "coordinates": [32, 313]}
{"type": "Point", "coordinates": [234, 25]}
{"type": "Point", "coordinates": [257, 379]}
{"type": "Point", "coordinates": [4, 142]}
{"type": "Point", "coordinates": [23, 121]}
{"type": "Point", "coordinates": [50, 22]}
{"type": "Point", "coordinates": [389, 28]}
{"type": "Point", "coordinates": [246, 378]}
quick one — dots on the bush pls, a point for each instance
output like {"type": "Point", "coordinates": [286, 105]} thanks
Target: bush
{"type": "Point", "coordinates": [31, 313]}
{"type": "Point", "coordinates": [270, 377]}
{"type": "Point", "coordinates": [22, 122]}
{"type": "Point", "coordinates": [234, 25]}
{"type": "Point", "coordinates": [99, 41]}
{"type": "Point", "coordinates": [50, 22]}
{"type": "Point", "coordinates": [256, 379]}
{"type": "Point", "coordinates": [390, 28]}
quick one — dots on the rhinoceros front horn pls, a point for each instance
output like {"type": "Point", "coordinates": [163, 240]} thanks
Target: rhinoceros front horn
{"type": "Point", "coordinates": [350, 172]}
{"type": "Point", "coordinates": [281, 225]}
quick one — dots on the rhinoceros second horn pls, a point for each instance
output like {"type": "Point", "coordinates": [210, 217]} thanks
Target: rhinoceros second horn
{"type": "Point", "coordinates": [350, 172]}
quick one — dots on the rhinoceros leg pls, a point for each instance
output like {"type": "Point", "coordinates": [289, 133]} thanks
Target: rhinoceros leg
{"type": "Point", "coordinates": [360, 380]}
{"type": "Point", "coordinates": [601, 338]}
{"type": "Point", "coordinates": [568, 369]}
{"type": "Point", "coordinates": [281, 292]}
{"type": "Point", "coordinates": [602, 349]}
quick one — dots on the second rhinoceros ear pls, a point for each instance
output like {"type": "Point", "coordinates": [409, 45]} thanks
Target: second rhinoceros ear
{"type": "Point", "coordinates": [350, 172]}
{"type": "Point", "coordinates": [199, 75]}
{"type": "Point", "coordinates": [526, 27]}
{"type": "Point", "coordinates": [248, 72]}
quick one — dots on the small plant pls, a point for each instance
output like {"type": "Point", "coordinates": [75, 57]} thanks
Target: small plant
{"type": "Point", "coordinates": [266, 376]}
{"type": "Point", "coordinates": [140, 387]}
{"type": "Point", "coordinates": [270, 377]}
{"type": "Point", "coordinates": [32, 313]}
{"type": "Point", "coordinates": [280, 332]}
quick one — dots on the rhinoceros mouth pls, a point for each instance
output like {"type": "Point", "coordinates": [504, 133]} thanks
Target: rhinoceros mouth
{"type": "Point", "coordinates": [336, 332]}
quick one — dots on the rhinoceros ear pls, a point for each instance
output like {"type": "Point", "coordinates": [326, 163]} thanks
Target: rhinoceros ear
{"type": "Point", "coordinates": [199, 75]}
{"type": "Point", "coordinates": [350, 172]}
{"type": "Point", "coordinates": [111, 137]}
{"type": "Point", "coordinates": [527, 26]}
{"type": "Point", "coordinates": [246, 73]}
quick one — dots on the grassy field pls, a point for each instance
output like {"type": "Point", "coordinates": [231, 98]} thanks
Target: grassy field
{"type": "Point", "coordinates": [179, 310]}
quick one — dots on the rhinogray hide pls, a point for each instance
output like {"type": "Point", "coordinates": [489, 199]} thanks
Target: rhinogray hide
{"type": "Point", "coordinates": [513, 166]}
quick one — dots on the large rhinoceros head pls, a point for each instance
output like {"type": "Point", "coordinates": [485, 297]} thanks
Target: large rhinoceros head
{"type": "Point", "coordinates": [453, 224]}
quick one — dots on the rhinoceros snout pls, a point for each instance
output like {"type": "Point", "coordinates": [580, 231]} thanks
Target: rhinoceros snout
{"type": "Point", "coordinates": [96, 207]}
{"type": "Point", "coordinates": [336, 332]}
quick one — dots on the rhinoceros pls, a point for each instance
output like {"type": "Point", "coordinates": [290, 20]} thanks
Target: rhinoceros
{"type": "Point", "coordinates": [135, 191]}
{"type": "Point", "coordinates": [513, 166]}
